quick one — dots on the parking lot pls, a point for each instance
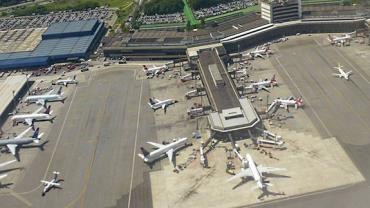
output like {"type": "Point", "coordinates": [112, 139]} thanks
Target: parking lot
{"type": "Point", "coordinates": [42, 21]}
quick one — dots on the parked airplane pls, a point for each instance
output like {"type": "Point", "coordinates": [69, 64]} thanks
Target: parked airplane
{"type": "Point", "coordinates": [155, 70]}
{"type": "Point", "coordinates": [53, 183]}
{"type": "Point", "coordinates": [285, 103]}
{"type": "Point", "coordinates": [35, 116]}
{"type": "Point", "coordinates": [66, 82]}
{"type": "Point", "coordinates": [155, 104]}
{"type": "Point", "coordinates": [20, 140]}
{"type": "Point", "coordinates": [249, 169]}
{"type": "Point", "coordinates": [262, 85]}
{"type": "Point", "coordinates": [168, 149]}
{"type": "Point", "coordinates": [339, 39]}
{"type": "Point", "coordinates": [260, 52]}
{"type": "Point", "coordinates": [5, 164]}
{"type": "Point", "coordinates": [342, 73]}
{"type": "Point", "coordinates": [42, 99]}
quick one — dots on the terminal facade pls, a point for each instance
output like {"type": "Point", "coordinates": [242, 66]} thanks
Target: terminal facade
{"type": "Point", "coordinates": [66, 41]}
{"type": "Point", "coordinates": [276, 11]}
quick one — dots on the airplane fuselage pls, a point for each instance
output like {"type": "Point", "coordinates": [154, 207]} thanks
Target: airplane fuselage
{"type": "Point", "coordinates": [158, 153]}
{"type": "Point", "coordinates": [160, 104]}
{"type": "Point", "coordinates": [20, 141]}
{"type": "Point", "coordinates": [49, 186]}
{"type": "Point", "coordinates": [256, 174]}
{"type": "Point", "coordinates": [35, 116]}
{"type": "Point", "coordinates": [67, 81]}
{"type": "Point", "coordinates": [43, 97]}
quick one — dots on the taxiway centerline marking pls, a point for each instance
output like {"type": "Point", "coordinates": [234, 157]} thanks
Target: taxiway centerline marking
{"type": "Point", "coordinates": [135, 144]}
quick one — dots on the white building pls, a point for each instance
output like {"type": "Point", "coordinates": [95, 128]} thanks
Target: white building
{"type": "Point", "coordinates": [281, 10]}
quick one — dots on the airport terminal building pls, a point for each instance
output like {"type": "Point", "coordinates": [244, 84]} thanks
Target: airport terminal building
{"type": "Point", "coordinates": [66, 41]}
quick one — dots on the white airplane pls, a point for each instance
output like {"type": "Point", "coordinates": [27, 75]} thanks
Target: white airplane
{"type": "Point", "coordinates": [342, 73]}
{"type": "Point", "coordinates": [42, 99]}
{"type": "Point", "coordinates": [66, 82]}
{"type": "Point", "coordinates": [285, 103]}
{"type": "Point", "coordinates": [339, 39]}
{"type": "Point", "coordinates": [20, 140]}
{"type": "Point", "coordinates": [260, 52]}
{"type": "Point", "coordinates": [5, 164]}
{"type": "Point", "coordinates": [155, 104]}
{"type": "Point", "coordinates": [155, 70]}
{"type": "Point", "coordinates": [35, 116]}
{"type": "Point", "coordinates": [168, 149]}
{"type": "Point", "coordinates": [249, 169]}
{"type": "Point", "coordinates": [263, 84]}
{"type": "Point", "coordinates": [53, 183]}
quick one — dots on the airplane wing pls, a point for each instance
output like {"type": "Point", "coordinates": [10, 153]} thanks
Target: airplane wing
{"type": "Point", "coordinates": [244, 173]}
{"type": "Point", "coordinates": [28, 121]}
{"type": "Point", "coordinates": [23, 133]}
{"type": "Point", "coordinates": [263, 169]}
{"type": "Point", "coordinates": [156, 144]}
{"type": "Point", "coordinates": [12, 148]}
{"type": "Point", "coordinates": [337, 75]}
{"type": "Point", "coordinates": [41, 102]}
{"type": "Point", "coordinates": [261, 87]}
{"type": "Point", "coordinates": [3, 176]}
{"type": "Point", "coordinates": [170, 154]}
{"type": "Point", "coordinates": [164, 106]}
{"type": "Point", "coordinates": [38, 110]}
{"type": "Point", "coordinates": [6, 163]}
{"type": "Point", "coordinates": [48, 93]}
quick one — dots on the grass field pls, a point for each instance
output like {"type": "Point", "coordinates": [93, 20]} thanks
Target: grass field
{"type": "Point", "coordinates": [188, 12]}
{"type": "Point", "coordinates": [245, 11]}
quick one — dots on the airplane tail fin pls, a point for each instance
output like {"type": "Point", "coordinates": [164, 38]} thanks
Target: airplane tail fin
{"type": "Point", "coordinates": [144, 151]}
{"type": "Point", "coordinates": [151, 101]}
{"type": "Point", "coordinates": [330, 37]}
{"type": "Point", "coordinates": [47, 111]}
{"type": "Point", "coordinates": [273, 79]}
{"type": "Point", "coordinates": [36, 133]}
{"type": "Point", "coordinates": [74, 77]}
{"type": "Point", "coordinates": [60, 91]}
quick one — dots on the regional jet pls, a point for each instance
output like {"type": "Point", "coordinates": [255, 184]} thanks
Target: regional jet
{"type": "Point", "coordinates": [342, 73]}
{"type": "Point", "coordinates": [155, 104]}
{"type": "Point", "coordinates": [53, 183]}
{"type": "Point", "coordinates": [42, 99]}
{"type": "Point", "coordinates": [5, 164]}
{"type": "Point", "coordinates": [285, 103]}
{"type": "Point", "coordinates": [155, 70]}
{"type": "Point", "coordinates": [20, 140]}
{"type": "Point", "coordinates": [249, 169]}
{"type": "Point", "coordinates": [66, 82]}
{"type": "Point", "coordinates": [259, 52]}
{"type": "Point", "coordinates": [29, 119]}
{"type": "Point", "coordinates": [168, 149]}
{"type": "Point", "coordinates": [263, 84]}
{"type": "Point", "coordinates": [339, 39]}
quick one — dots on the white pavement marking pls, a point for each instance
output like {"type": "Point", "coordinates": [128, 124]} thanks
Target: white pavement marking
{"type": "Point", "coordinates": [349, 63]}
{"type": "Point", "coordinates": [135, 144]}
{"type": "Point", "coordinates": [306, 100]}
{"type": "Point", "coordinates": [60, 133]}
{"type": "Point", "coordinates": [20, 198]}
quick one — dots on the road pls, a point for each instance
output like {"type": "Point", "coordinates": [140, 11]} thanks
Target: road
{"type": "Point", "coordinates": [337, 108]}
